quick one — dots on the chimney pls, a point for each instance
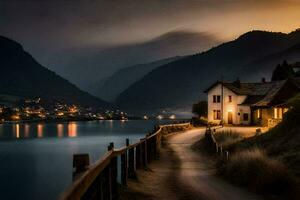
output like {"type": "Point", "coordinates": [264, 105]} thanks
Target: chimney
{"type": "Point", "coordinates": [263, 80]}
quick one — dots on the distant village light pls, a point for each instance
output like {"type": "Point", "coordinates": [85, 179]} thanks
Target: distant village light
{"type": "Point", "coordinates": [172, 117]}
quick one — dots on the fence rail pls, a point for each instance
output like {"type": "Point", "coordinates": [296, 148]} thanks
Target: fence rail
{"type": "Point", "coordinates": [209, 134]}
{"type": "Point", "coordinates": [99, 180]}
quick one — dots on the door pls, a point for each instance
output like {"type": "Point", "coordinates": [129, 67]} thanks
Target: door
{"type": "Point", "coordinates": [229, 117]}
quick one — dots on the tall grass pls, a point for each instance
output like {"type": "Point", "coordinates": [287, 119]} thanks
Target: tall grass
{"type": "Point", "coordinates": [261, 174]}
{"type": "Point", "coordinates": [226, 138]}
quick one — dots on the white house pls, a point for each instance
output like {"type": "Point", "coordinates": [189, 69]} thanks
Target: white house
{"type": "Point", "coordinates": [249, 103]}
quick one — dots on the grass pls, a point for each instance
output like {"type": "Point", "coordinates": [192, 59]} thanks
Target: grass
{"type": "Point", "coordinates": [227, 138]}
{"type": "Point", "coordinates": [255, 170]}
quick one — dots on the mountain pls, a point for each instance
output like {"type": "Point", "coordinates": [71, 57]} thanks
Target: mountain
{"type": "Point", "coordinates": [21, 75]}
{"type": "Point", "coordinates": [181, 83]}
{"type": "Point", "coordinates": [124, 77]}
{"type": "Point", "coordinates": [86, 64]}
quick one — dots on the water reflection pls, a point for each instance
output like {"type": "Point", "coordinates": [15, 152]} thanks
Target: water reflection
{"type": "Point", "coordinates": [40, 128]}
{"type": "Point", "coordinates": [27, 130]}
{"type": "Point", "coordinates": [72, 130]}
{"type": "Point", "coordinates": [60, 130]}
{"type": "Point", "coordinates": [17, 128]}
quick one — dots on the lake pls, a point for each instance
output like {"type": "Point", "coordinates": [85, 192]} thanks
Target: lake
{"type": "Point", "coordinates": [36, 158]}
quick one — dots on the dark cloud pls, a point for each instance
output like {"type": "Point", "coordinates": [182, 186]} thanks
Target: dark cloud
{"type": "Point", "coordinates": [60, 32]}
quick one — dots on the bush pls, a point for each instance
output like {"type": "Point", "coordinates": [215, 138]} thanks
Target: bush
{"type": "Point", "coordinates": [261, 174]}
{"type": "Point", "coordinates": [196, 121]}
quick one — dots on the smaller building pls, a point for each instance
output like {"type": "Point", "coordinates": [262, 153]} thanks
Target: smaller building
{"type": "Point", "coordinates": [260, 103]}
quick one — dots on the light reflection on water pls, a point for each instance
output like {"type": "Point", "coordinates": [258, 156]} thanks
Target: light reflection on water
{"type": "Point", "coordinates": [72, 129]}
{"type": "Point", "coordinates": [37, 158]}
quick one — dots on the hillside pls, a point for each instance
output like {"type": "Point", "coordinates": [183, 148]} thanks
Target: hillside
{"type": "Point", "coordinates": [124, 77]}
{"type": "Point", "coordinates": [21, 75]}
{"type": "Point", "coordinates": [181, 83]}
{"type": "Point", "coordinates": [283, 141]}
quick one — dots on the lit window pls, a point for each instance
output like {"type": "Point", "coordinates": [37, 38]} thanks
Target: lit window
{"type": "Point", "coordinates": [279, 113]}
{"type": "Point", "coordinates": [258, 114]}
{"type": "Point", "coordinates": [275, 113]}
{"type": "Point", "coordinates": [229, 98]}
{"type": "Point", "coordinates": [217, 114]}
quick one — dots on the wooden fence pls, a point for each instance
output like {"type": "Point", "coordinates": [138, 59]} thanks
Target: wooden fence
{"type": "Point", "coordinates": [99, 180]}
{"type": "Point", "coordinates": [209, 134]}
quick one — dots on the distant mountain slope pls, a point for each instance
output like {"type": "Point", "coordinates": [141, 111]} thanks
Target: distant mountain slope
{"type": "Point", "coordinates": [123, 78]}
{"type": "Point", "coordinates": [93, 62]}
{"type": "Point", "coordinates": [21, 75]}
{"type": "Point", "coordinates": [180, 83]}
{"type": "Point", "coordinates": [263, 66]}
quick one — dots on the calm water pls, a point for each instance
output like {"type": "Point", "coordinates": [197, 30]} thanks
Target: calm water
{"type": "Point", "coordinates": [36, 159]}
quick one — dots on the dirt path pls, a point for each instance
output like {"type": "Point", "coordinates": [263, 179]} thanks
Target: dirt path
{"type": "Point", "coordinates": [182, 174]}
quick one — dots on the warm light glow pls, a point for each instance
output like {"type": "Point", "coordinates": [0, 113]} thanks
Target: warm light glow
{"type": "Point", "coordinates": [159, 117]}
{"type": "Point", "coordinates": [258, 113]}
{"type": "Point", "coordinates": [27, 130]}
{"type": "Point", "coordinates": [145, 117]}
{"type": "Point", "coordinates": [40, 128]}
{"type": "Point", "coordinates": [172, 117]}
{"type": "Point", "coordinates": [72, 129]}
{"type": "Point", "coordinates": [60, 130]}
{"type": "Point", "coordinates": [15, 117]}
{"type": "Point", "coordinates": [60, 114]}
{"type": "Point", "coordinates": [17, 131]}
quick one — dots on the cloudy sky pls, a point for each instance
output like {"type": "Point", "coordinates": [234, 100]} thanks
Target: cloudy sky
{"type": "Point", "coordinates": [84, 38]}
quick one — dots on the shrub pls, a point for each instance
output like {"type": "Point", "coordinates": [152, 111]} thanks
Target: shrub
{"type": "Point", "coordinates": [261, 174]}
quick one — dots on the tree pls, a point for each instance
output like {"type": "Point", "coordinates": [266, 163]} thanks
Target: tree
{"type": "Point", "coordinates": [200, 109]}
{"type": "Point", "coordinates": [283, 71]}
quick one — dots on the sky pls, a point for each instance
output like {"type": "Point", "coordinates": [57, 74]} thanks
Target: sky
{"type": "Point", "coordinates": [87, 40]}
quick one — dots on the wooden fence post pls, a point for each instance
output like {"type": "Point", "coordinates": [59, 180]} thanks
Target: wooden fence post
{"type": "Point", "coordinates": [113, 174]}
{"type": "Point", "coordinates": [124, 166]}
{"type": "Point", "coordinates": [131, 168]}
{"type": "Point", "coordinates": [81, 163]}
{"type": "Point", "coordinates": [149, 147]}
{"type": "Point", "coordinates": [138, 155]}
{"type": "Point", "coordinates": [144, 152]}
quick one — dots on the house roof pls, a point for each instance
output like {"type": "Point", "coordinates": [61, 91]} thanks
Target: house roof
{"type": "Point", "coordinates": [270, 94]}
{"type": "Point", "coordinates": [253, 89]}
{"type": "Point", "coordinates": [258, 94]}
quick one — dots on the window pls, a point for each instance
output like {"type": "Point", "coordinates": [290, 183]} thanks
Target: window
{"type": "Point", "coordinates": [216, 98]}
{"type": "Point", "coordinates": [217, 114]}
{"type": "Point", "coordinates": [278, 113]}
{"type": "Point", "coordinates": [245, 116]}
{"type": "Point", "coordinates": [229, 98]}
{"type": "Point", "coordinates": [258, 113]}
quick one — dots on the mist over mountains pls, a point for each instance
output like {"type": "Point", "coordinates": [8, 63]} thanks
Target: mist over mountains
{"type": "Point", "coordinates": [88, 65]}
{"type": "Point", "coordinates": [181, 83]}
{"type": "Point", "coordinates": [174, 83]}
{"type": "Point", "coordinates": [109, 88]}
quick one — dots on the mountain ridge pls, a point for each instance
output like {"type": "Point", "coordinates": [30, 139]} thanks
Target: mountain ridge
{"type": "Point", "coordinates": [180, 83]}
{"type": "Point", "coordinates": [21, 75]}
{"type": "Point", "coordinates": [124, 77]}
